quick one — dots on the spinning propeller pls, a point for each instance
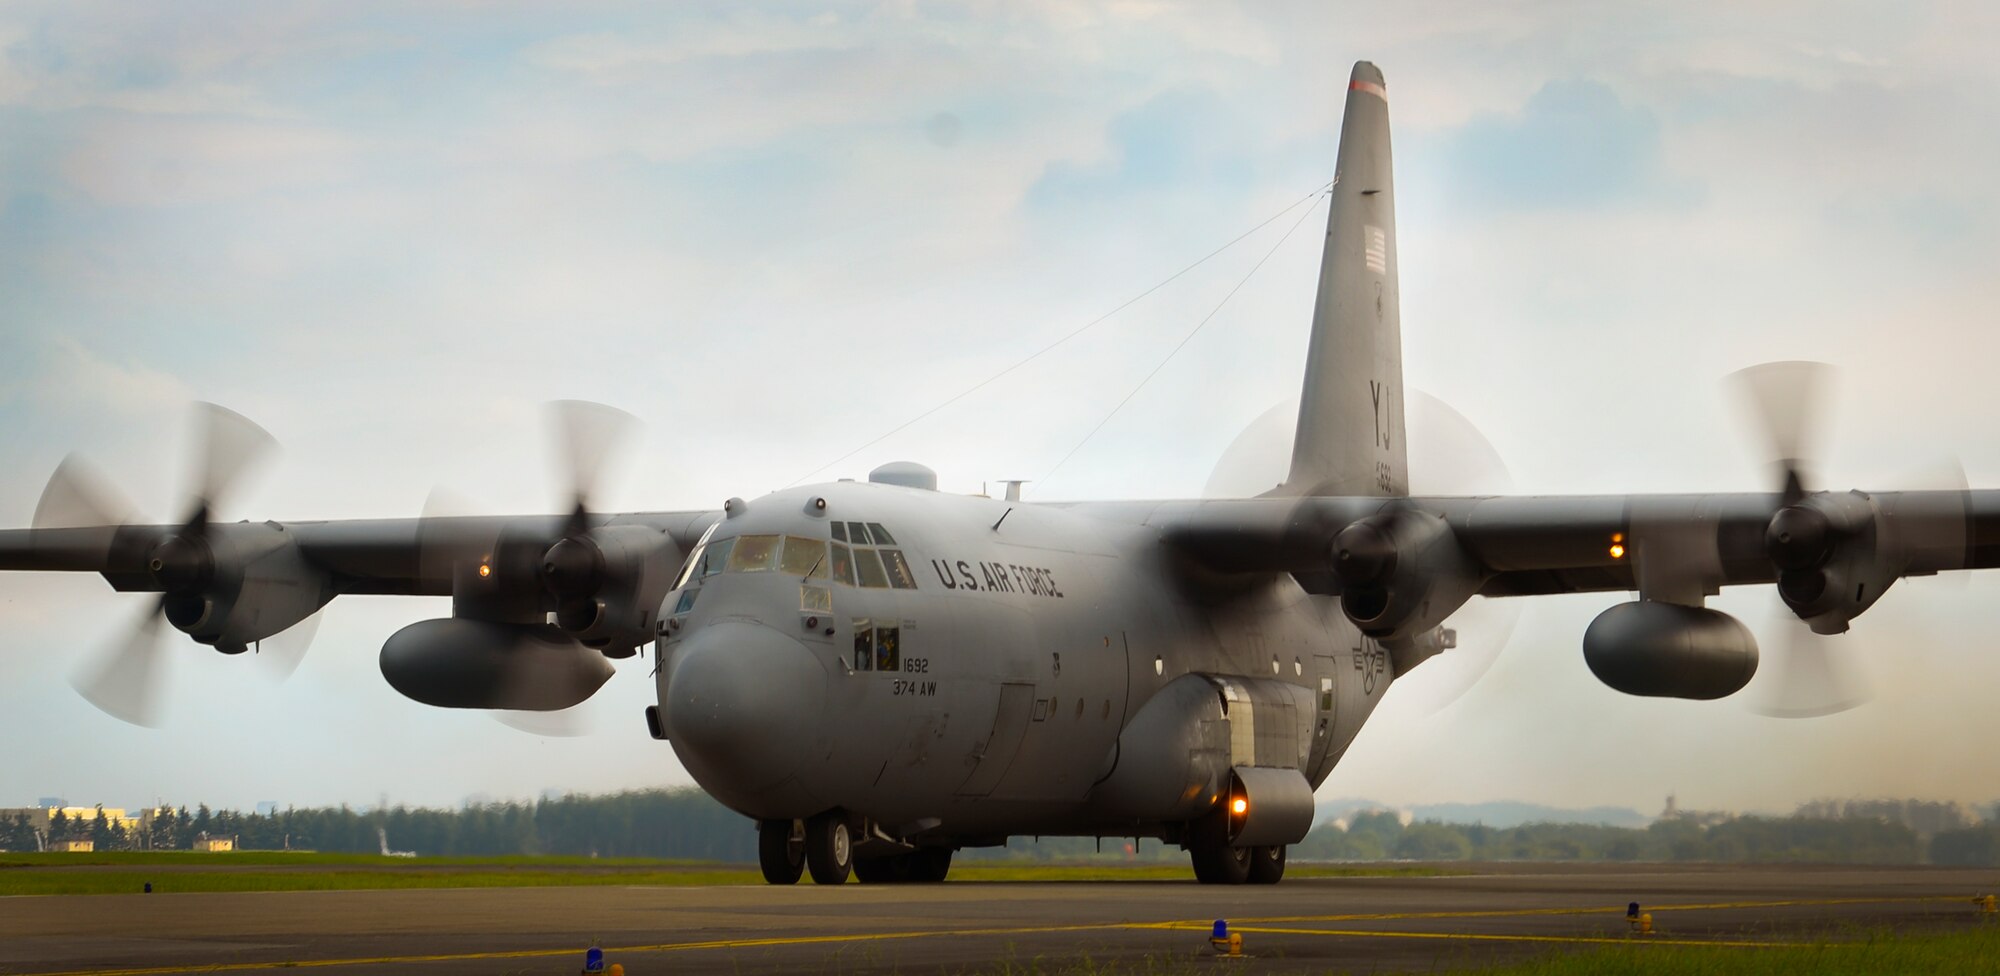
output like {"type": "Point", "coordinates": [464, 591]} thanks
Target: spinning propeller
{"type": "Point", "coordinates": [196, 582]}
{"type": "Point", "coordinates": [1834, 553]}
{"type": "Point", "coordinates": [1448, 456]}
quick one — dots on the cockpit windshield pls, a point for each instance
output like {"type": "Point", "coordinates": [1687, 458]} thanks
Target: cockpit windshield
{"type": "Point", "coordinates": [856, 557]}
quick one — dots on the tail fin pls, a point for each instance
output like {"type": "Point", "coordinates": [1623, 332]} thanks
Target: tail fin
{"type": "Point", "coordinates": [1350, 434]}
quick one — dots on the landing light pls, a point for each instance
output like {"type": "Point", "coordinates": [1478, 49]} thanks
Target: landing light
{"type": "Point", "coordinates": [1239, 806]}
{"type": "Point", "coordinates": [1617, 550]}
{"type": "Point", "coordinates": [485, 570]}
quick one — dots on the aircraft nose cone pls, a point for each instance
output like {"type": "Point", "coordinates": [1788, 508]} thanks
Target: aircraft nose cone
{"type": "Point", "coordinates": [743, 706]}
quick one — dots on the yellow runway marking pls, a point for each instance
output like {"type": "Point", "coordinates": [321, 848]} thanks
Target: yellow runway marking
{"type": "Point", "coordinates": [1494, 937]}
{"type": "Point", "coordinates": [1606, 910]}
{"type": "Point", "coordinates": [1252, 925]}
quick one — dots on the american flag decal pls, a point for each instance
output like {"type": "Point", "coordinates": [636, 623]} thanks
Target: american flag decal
{"type": "Point", "coordinates": [1375, 249]}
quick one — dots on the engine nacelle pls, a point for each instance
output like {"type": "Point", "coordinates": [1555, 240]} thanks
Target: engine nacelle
{"type": "Point", "coordinates": [1833, 559]}
{"type": "Point", "coordinates": [610, 583]}
{"type": "Point", "coordinates": [457, 663]}
{"type": "Point", "coordinates": [1666, 650]}
{"type": "Point", "coordinates": [1402, 573]}
{"type": "Point", "coordinates": [250, 582]}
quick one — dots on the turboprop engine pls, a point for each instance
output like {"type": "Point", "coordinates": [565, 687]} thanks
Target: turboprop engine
{"type": "Point", "coordinates": [1402, 572]}
{"type": "Point", "coordinates": [230, 590]}
{"type": "Point", "coordinates": [1666, 650]}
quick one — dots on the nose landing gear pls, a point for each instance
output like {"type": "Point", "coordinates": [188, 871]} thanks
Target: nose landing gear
{"type": "Point", "coordinates": [829, 844]}
{"type": "Point", "coordinates": [781, 851]}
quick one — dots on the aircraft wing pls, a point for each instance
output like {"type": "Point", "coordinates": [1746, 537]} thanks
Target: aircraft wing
{"type": "Point", "coordinates": [538, 602]}
{"type": "Point", "coordinates": [1833, 553]}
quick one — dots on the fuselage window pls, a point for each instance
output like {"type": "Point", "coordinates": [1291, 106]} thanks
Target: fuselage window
{"type": "Point", "coordinates": [899, 571]}
{"type": "Point", "coordinates": [864, 646]}
{"type": "Point", "coordinates": [686, 602]}
{"type": "Point", "coordinates": [754, 554]}
{"type": "Point", "coordinates": [843, 564]}
{"type": "Point", "coordinates": [815, 599]}
{"type": "Point", "coordinates": [888, 648]}
{"type": "Point", "coordinates": [869, 565]}
{"type": "Point", "coordinates": [804, 557]}
{"type": "Point", "coordinates": [715, 557]}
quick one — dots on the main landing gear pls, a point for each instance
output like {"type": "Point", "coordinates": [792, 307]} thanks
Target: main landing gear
{"type": "Point", "coordinates": [825, 846]}
{"type": "Point", "coordinates": [1216, 861]}
{"type": "Point", "coordinates": [925, 864]}
{"type": "Point", "coordinates": [1221, 864]}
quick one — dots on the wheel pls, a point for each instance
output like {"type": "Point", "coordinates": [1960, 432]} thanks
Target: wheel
{"type": "Point", "coordinates": [1267, 864]}
{"type": "Point", "coordinates": [1219, 863]}
{"type": "Point", "coordinates": [829, 849]}
{"type": "Point", "coordinates": [930, 864]}
{"type": "Point", "coordinates": [882, 870]}
{"type": "Point", "coordinates": [782, 857]}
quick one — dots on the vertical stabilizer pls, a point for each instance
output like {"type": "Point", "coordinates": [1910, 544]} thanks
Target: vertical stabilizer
{"type": "Point", "coordinates": [1350, 434]}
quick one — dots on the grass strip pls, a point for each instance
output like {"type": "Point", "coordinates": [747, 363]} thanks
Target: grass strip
{"type": "Point", "coordinates": [1973, 949]}
{"type": "Point", "coordinates": [122, 873]}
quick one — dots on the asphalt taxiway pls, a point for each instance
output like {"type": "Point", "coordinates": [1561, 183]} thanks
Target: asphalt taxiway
{"type": "Point", "coordinates": [1362, 924]}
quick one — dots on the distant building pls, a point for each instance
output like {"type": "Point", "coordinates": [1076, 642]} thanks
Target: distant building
{"type": "Point", "coordinates": [52, 801]}
{"type": "Point", "coordinates": [74, 846]}
{"type": "Point", "coordinates": [1700, 818]}
{"type": "Point", "coordinates": [215, 844]}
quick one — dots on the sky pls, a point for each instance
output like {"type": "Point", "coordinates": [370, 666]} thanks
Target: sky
{"type": "Point", "coordinates": [390, 232]}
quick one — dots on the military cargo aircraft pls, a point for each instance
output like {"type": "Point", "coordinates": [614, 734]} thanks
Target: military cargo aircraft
{"type": "Point", "coordinates": [881, 674]}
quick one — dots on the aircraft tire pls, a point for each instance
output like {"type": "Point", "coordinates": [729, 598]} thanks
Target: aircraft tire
{"type": "Point", "coordinates": [829, 849]}
{"type": "Point", "coordinates": [882, 870]}
{"type": "Point", "coordinates": [1267, 864]}
{"type": "Point", "coordinates": [782, 859]}
{"type": "Point", "coordinates": [1219, 863]}
{"type": "Point", "coordinates": [930, 864]}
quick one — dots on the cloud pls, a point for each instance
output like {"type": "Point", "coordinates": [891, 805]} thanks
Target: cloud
{"type": "Point", "coordinates": [1575, 145]}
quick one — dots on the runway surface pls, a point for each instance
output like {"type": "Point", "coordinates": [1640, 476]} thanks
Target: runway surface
{"type": "Point", "coordinates": [1301, 925]}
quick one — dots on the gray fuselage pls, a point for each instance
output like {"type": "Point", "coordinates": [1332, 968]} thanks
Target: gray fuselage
{"type": "Point", "coordinates": [984, 693]}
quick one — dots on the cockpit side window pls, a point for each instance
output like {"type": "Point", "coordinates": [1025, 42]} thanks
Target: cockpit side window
{"type": "Point", "coordinates": [804, 557]}
{"type": "Point", "coordinates": [715, 556]}
{"type": "Point", "coordinates": [880, 534]}
{"type": "Point", "coordinates": [899, 570]}
{"type": "Point", "coordinates": [690, 568]}
{"type": "Point", "coordinates": [857, 533]}
{"type": "Point", "coordinates": [754, 554]}
{"type": "Point", "coordinates": [840, 531]}
{"type": "Point", "coordinates": [869, 565]}
{"type": "Point", "coordinates": [843, 564]}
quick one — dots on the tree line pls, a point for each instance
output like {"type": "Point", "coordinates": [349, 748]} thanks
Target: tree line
{"type": "Point", "coordinates": [1382, 835]}
{"type": "Point", "coordinates": [682, 823]}
{"type": "Point", "coordinates": [688, 824]}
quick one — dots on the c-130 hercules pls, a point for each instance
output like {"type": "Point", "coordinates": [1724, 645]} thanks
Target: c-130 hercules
{"type": "Point", "coordinates": [880, 674]}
